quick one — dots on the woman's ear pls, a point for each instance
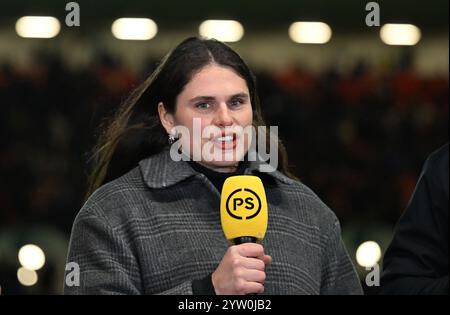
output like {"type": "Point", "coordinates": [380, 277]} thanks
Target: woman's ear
{"type": "Point", "coordinates": [166, 118]}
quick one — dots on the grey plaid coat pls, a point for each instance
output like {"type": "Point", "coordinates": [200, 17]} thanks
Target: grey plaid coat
{"type": "Point", "coordinates": [157, 228]}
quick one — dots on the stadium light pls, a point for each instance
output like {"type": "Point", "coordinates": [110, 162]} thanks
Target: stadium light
{"type": "Point", "coordinates": [368, 254]}
{"type": "Point", "coordinates": [310, 32]}
{"type": "Point", "coordinates": [223, 30]}
{"type": "Point", "coordinates": [27, 277]}
{"type": "Point", "coordinates": [37, 27]}
{"type": "Point", "coordinates": [31, 257]}
{"type": "Point", "coordinates": [400, 34]}
{"type": "Point", "coordinates": [134, 29]}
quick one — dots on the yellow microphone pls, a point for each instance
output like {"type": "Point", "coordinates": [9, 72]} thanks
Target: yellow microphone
{"type": "Point", "coordinates": [243, 209]}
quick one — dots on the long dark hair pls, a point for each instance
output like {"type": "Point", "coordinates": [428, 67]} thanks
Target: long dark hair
{"type": "Point", "coordinates": [135, 132]}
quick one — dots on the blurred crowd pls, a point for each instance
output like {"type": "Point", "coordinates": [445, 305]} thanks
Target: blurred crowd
{"type": "Point", "coordinates": [358, 138]}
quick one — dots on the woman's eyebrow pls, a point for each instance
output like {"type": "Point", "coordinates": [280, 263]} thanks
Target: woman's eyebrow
{"type": "Point", "coordinates": [241, 95]}
{"type": "Point", "coordinates": [202, 98]}
{"type": "Point", "coordinates": [205, 98]}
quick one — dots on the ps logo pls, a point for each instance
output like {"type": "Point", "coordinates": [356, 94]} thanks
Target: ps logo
{"type": "Point", "coordinates": [242, 202]}
{"type": "Point", "coordinates": [243, 207]}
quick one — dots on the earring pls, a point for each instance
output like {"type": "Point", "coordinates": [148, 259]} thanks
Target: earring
{"type": "Point", "coordinates": [171, 139]}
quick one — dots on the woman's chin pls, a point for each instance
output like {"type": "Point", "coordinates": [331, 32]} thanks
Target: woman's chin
{"type": "Point", "coordinates": [223, 163]}
{"type": "Point", "coordinates": [221, 166]}
{"type": "Point", "coordinates": [226, 158]}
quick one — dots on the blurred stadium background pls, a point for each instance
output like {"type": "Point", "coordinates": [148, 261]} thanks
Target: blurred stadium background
{"type": "Point", "coordinates": [358, 116]}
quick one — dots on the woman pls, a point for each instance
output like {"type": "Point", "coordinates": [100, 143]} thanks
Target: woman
{"type": "Point", "coordinates": [151, 224]}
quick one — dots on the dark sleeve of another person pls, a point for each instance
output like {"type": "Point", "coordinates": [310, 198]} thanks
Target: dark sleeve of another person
{"type": "Point", "coordinates": [416, 261]}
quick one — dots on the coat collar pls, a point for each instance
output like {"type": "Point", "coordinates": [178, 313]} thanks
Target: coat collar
{"type": "Point", "coordinates": [160, 170]}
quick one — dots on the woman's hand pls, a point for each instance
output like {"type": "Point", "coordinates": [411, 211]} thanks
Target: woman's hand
{"type": "Point", "coordinates": [241, 270]}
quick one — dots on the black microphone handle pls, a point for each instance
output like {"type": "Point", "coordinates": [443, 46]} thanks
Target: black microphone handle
{"type": "Point", "coordinates": [244, 239]}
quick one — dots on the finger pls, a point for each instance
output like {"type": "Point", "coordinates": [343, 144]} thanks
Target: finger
{"type": "Point", "coordinates": [253, 263]}
{"type": "Point", "coordinates": [252, 275]}
{"type": "Point", "coordinates": [267, 259]}
{"type": "Point", "coordinates": [250, 249]}
{"type": "Point", "coordinates": [246, 287]}
{"type": "Point", "coordinates": [253, 287]}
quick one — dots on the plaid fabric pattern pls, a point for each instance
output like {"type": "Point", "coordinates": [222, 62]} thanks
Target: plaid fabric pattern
{"type": "Point", "coordinates": [157, 228]}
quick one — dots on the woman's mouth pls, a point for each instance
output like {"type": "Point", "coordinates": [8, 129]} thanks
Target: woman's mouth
{"type": "Point", "coordinates": [226, 142]}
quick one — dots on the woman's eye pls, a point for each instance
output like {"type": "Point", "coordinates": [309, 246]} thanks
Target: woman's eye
{"type": "Point", "coordinates": [236, 102]}
{"type": "Point", "coordinates": [203, 105]}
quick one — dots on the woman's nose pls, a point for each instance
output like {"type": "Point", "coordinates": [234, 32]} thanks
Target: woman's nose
{"type": "Point", "coordinates": [223, 116]}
